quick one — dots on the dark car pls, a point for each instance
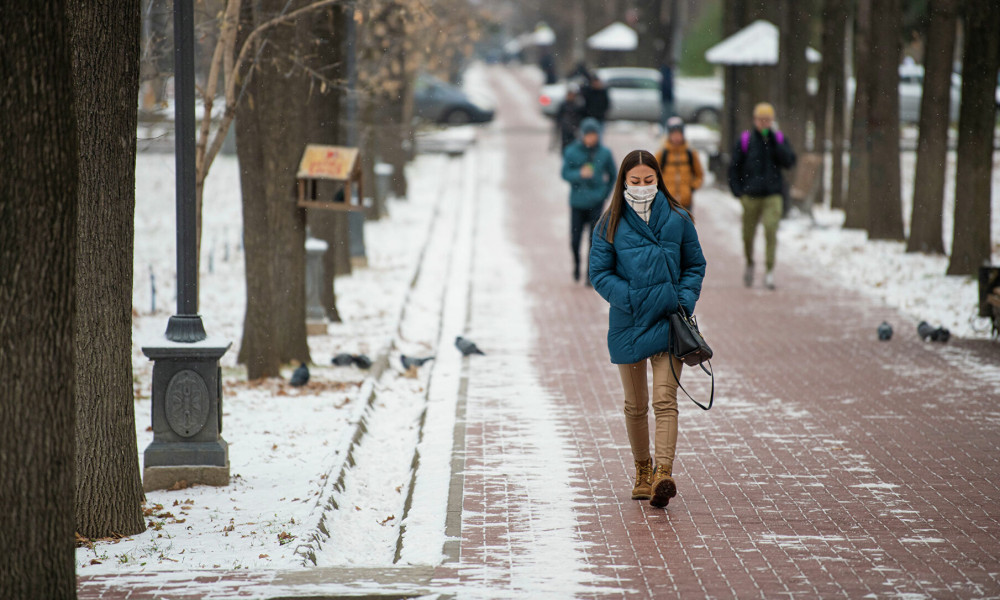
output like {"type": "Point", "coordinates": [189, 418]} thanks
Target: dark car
{"type": "Point", "coordinates": [440, 102]}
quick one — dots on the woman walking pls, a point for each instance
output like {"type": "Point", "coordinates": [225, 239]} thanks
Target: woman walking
{"type": "Point", "coordinates": [646, 261]}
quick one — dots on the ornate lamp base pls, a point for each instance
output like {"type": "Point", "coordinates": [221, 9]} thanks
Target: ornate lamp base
{"type": "Point", "coordinates": [187, 416]}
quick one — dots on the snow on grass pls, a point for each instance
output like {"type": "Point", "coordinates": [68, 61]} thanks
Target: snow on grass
{"type": "Point", "coordinates": [283, 441]}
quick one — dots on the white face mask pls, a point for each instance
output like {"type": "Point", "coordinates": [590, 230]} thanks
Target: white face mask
{"type": "Point", "coordinates": [642, 193]}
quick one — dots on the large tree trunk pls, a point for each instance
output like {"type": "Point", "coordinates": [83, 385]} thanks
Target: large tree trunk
{"type": "Point", "coordinates": [885, 203]}
{"type": "Point", "coordinates": [932, 148]}
{"type": "Point", "coordinates": [257, 350]}
{"type": "Point", "coordinates": [837, 68]}
{"type": "Point", "coordinates": [833, 57]}
{"type": "Point", "coordinates": [856, 203]}
{"type": "Point", "coordinates": [981, 59]}
{"type": "Point", "coordinates": [324, 115]}
{"type": "Point", "coordinates": [794, 99]}
{"type": "Point", "coordinates": [105, 39]}
{"type": "Point", "coordinates": [283, 90]}
{"type": "Point", "coordinates": [38, 208]}
{"type": "Point", "coordinates": [652, 33]}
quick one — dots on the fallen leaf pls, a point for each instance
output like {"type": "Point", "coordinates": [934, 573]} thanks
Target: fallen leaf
{"type": "Point", "coordinates": [263, 556]}
{"type": "Point", "coordinates": [94, 561]}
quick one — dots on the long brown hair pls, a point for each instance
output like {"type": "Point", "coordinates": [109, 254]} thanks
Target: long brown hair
{"type": "Point", "coordinates": [608, 224]}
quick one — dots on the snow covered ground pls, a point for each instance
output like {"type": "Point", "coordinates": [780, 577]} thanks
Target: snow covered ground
{"type": "Point", "coordinates": [273, 430]}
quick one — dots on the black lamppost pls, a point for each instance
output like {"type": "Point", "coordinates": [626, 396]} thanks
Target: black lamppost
{"type": "Point", "coordinates": [187, 379]}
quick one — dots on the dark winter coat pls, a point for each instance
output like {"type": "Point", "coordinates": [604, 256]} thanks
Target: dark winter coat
{"type": "Point", "coordinates": [596, 102]}
{"type": "Point", "coordinates": [645, 274]}
{"type": "Point", "coordinates": [567, 121]}
{"type": "Point", "coordinates": [756, 170]}
{"type": "Point", "coordinates": [588, 193]}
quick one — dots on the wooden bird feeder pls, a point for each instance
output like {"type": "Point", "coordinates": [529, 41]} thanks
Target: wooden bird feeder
{"type": "Point", "coordinates": [332, 163]}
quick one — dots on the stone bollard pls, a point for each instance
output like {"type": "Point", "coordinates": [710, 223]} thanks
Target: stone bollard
{"type": "Point", "coordinates": [383, 182]}
{"type": "Point", "coordinates": [315, 313]}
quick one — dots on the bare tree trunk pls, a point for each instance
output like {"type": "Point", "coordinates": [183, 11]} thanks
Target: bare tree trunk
{"type": "Point", "coordinates": [257, 350]}
{"type": "Point", "coordinates": [856, 203]}
{"type": "Point", "coordinates": [932, 148]}
{"type": "Point", "coordinates": [284, 88]}
{"type": "Point", "coordinates": [837, 82]}
{"type": "Point", "coordinates": [885, 203]}
{"type": "Point", "coordinates": [105, 39]}
{"type": "Point", "coordinates": [732, 118]}
{"type": "Point", "coordinates": [981, 59]}
{"type": "Point", "coordinates": [795, 99]}
{"type": "Point", "coordinates": [827, 76]}
{"type": "Point", "coordinates": [324, 113]}
{"type": "Point", "coordinates": [651, 32]}
{"type": "Point", "coordinates": [38, 209]}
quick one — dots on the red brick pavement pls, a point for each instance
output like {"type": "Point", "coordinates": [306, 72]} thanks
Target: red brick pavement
{"type": "Point", "coordinates": [832, 464]}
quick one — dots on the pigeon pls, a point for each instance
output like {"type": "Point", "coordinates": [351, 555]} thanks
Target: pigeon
{"type": "Point", "coordinates": [362, 361]}
{"type": "Point", "coordinates": [885, 332]}
{"type": "Point", "coordinates": [413, 361]}
{"type": "Point", "coordinates": [301, 376]}
{"type": "Point", "coordinates": [342, 360]}
{"type": "Point", "coordinates": [467, 347]}
{"type": "Point", "coordinates": [928, 332]}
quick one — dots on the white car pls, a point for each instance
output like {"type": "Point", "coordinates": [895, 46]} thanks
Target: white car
{"type": "Point", "coordinates": [911, 90]}
{"type": "Point", "coordinates": [634, 93]}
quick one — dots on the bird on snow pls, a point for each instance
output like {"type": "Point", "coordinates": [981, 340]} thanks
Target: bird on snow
{"type": "Point", "coordinates": [467, 347]}
{"type": "Point", "coordinates": [342, 360]}
{"type": "Point", "coordinates": [926, 331]}
{"type": "Point", "coordinates": [885, 331]}
{"type": "Point", "coordinates": [362, 361]}
{"type": "Point", "coordinates": [301, 375]}
{"type": "Point", "coordinates": [413, 361]}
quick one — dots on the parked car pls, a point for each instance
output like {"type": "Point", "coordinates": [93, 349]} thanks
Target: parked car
{"type": "Point", "coordinates": [441, 102]}
{"type": "Point", "coordinates": [635, 95]}
{"type": "Point", "coordinates": [911, 90]}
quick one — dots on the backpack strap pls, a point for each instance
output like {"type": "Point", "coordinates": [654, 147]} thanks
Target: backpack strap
{"type": "Point", "coordinates": [745, 141]}
{"type": "Point", "coordinates": [661, 158]}
{"type": "Point", "coordinates": [690, 161]}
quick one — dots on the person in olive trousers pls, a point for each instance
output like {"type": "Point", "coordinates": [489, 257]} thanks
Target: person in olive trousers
{"type": "Point", "coordinates": [755, 178]}
{"type": "Point", "coordinates": [590, 170]}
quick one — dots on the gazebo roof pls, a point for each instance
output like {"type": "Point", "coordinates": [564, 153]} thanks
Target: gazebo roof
{"type": "Point", "coordinates": [617, 36]}
{"type": "Point", "coordinates": [755, 44]}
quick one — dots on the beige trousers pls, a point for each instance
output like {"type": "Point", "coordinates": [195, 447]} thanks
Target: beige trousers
{"type": "Point", "coordinates": [664, 408]}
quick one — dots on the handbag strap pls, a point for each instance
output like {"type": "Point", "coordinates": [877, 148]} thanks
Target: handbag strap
{"type": "Point", "coordinates": [711, 397]}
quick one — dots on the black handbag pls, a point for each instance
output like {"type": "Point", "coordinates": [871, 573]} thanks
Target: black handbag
{"type": "Point", "coordinates": [690, 347]}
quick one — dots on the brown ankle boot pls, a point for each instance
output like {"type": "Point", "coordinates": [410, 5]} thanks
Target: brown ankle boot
{"type": "Point", "coordinates": [663, 487]}
{"type": "Point", "coordinates": [643, 471]}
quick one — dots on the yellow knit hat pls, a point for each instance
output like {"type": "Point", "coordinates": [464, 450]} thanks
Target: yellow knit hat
{"type": "Point", "coordinates": [763, 110]}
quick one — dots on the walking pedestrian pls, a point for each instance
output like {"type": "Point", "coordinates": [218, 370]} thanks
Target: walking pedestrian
{"type": "Point", "coordinates": [680, 165]}
{"type": "Point", "coordinates": [666, 94]}
{"type": "Point", "coordinates": [646, 261]}
{"type": "Point", "coordinates": [596, 101]}
{"type": "Point", "coordinates": [590, 170]}
{"type": "Point", "coordinates": [568, 117]}
{"type": "Point", "coordinates": [755, 178]}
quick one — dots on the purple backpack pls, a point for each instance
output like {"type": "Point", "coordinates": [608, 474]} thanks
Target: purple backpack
{"type": "Point", "coordinates": [745, 139]}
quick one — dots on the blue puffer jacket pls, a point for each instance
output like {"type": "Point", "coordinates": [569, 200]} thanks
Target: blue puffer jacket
{"type": "Point", "coordinates": [645, 274]}
{"type": "Point", "coordinates": [588, 193]}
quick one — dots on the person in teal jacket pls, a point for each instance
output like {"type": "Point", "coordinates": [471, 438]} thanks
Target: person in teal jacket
{"type": "Point", "coordinates": [590, 170]}
{"type": "Point", "coordinates": [646, 261]}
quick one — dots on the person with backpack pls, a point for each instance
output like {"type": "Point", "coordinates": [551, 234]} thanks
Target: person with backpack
{"type": "Point", "coordinates": [646, 261]}
{"type": "Point", "coordinates": [755, 178]}
{"type": "Point", "coordinates": [679, 164]}
{"type": "Point", "coordinates": [590, 170]}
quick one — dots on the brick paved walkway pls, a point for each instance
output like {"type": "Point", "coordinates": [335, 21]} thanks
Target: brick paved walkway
{"type": "Point", "coordinates": [832, 464]}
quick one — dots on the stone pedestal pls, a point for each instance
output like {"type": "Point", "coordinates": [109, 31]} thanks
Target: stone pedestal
{"type": "Point", "coordinates": [356, 228]}
{"type": "Point", "coordinates": [315, 313]}
{"type": "Point", "coordinates": [187, 416]}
